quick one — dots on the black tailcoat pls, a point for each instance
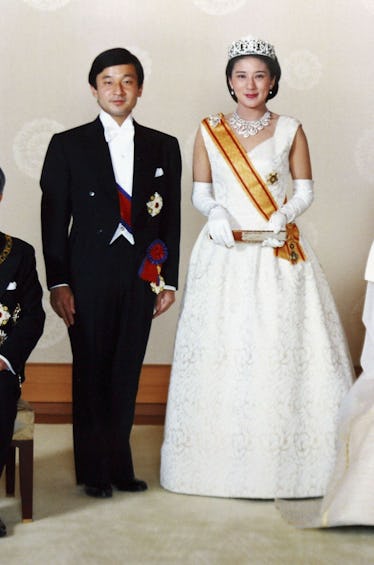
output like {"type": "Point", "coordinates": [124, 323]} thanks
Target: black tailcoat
{"type": "Point", "coordinates": [80, 213]}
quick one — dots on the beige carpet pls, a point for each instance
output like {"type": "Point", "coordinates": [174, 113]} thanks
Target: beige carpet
{"type": "Point", "coordinates": [156, 527]}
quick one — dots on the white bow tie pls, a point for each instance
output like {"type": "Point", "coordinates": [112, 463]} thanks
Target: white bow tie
{"type": "Point", "coordinates": [111, 133]}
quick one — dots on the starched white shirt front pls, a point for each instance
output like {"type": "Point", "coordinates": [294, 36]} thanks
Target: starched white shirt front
{"type": "Point", "coordinates": [120, 141]}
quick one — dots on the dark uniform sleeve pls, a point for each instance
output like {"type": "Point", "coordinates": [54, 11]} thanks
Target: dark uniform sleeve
{"type": "Point", "coordinates": [28, 328]}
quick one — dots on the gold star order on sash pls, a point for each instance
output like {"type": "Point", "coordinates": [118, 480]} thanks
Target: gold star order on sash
{"type": "Point", "coordinates": [272, 177]}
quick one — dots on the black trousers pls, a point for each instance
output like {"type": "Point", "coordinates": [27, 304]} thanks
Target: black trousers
{"type": "Point", "coordinates": [108, 339]}
{"type": "Point", "coordinates": [9, 394]}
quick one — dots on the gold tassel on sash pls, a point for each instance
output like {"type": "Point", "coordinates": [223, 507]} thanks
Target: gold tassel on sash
{"type": "Point", "coordinates": [291, 250]}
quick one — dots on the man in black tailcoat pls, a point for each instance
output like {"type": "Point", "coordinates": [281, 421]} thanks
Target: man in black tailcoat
{"type": "Point", "coordinates": [111, 229]}
{"type": "Point", "coordinates": [21, 325]}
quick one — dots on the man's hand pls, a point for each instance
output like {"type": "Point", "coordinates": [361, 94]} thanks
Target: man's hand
{"type": "Point", "coordinates": [62, 302]}
{"type": "Point", "coordinates": [163, 301]}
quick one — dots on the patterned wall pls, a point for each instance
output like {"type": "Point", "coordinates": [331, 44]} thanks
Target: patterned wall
{"type": "Point", "coordinates": [325, 50]}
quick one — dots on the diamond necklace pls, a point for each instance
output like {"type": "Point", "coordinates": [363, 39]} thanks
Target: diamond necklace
{"type": "Point", "coordinates": [249, 127]}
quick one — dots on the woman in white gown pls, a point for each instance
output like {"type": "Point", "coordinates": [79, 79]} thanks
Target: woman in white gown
{"type": "Point", "coordinates": [261, 362]}
{"type": "Point", "coordinates": [349, 499]}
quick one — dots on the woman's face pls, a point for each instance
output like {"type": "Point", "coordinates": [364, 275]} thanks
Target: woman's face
{"type": "Point", "coordinates": [251, 82]}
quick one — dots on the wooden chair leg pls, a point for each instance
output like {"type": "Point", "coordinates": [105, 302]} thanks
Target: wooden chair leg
{"type": "Point", "coordinates": [26, 476]}
{"type": "Point", "coordinates": [10, 471]}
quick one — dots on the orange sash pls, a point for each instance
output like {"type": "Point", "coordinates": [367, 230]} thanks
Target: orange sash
{"type": "Point", "coordinates": [252, 183]}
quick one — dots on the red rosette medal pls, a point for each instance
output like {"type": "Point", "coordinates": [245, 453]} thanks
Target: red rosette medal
{"type": "Point", "coordinates": [150, 268]}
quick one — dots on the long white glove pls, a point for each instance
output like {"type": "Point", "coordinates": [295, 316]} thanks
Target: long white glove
{"type": "Point", "coordinates": [218, 218]}
{"type": "Point", "coordinates": [302, 198]}
{"type": "Point", "coordinates": [219, 226]}
{"type": "Point", "coordinates": [202, 197]}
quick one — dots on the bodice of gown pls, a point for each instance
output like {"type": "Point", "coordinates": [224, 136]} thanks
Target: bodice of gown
{"type": "Point", "coordinates": [269, 157]}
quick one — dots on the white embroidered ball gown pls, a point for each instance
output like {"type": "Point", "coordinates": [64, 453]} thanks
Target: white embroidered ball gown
{"type": "Point", "coordinates": [260, 363]}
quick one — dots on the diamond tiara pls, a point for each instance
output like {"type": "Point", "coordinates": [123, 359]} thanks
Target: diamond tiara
{"type": "Point", "coordinates": [251, 46]}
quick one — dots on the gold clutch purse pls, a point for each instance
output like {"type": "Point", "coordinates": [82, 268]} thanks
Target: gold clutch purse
{"type": "Point", "coordinates": [257, 236]}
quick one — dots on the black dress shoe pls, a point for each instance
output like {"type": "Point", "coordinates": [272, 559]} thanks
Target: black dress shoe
{"type": "Point", "coordinates": [132, 485]}
{"type": "Point", "coordinates": [2, 529]}
{"type": "Point", "coordinates": [98, 491]}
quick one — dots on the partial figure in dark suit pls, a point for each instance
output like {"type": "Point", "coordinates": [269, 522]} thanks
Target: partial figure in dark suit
{"type": "Point", "coordinates": [110, 226]}
{"type": "Point", "coordinates": [21, 325]}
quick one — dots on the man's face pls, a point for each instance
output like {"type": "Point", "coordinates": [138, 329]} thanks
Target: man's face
{"type": "Point", "coordinates": [117, 91]}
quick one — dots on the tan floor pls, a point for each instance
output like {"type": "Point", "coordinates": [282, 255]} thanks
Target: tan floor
{"type": "Point", "coordinates": [157, 527]}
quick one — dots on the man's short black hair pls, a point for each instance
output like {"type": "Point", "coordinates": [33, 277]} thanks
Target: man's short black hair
{"type": "Point", "coordinates": [112, 57]}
